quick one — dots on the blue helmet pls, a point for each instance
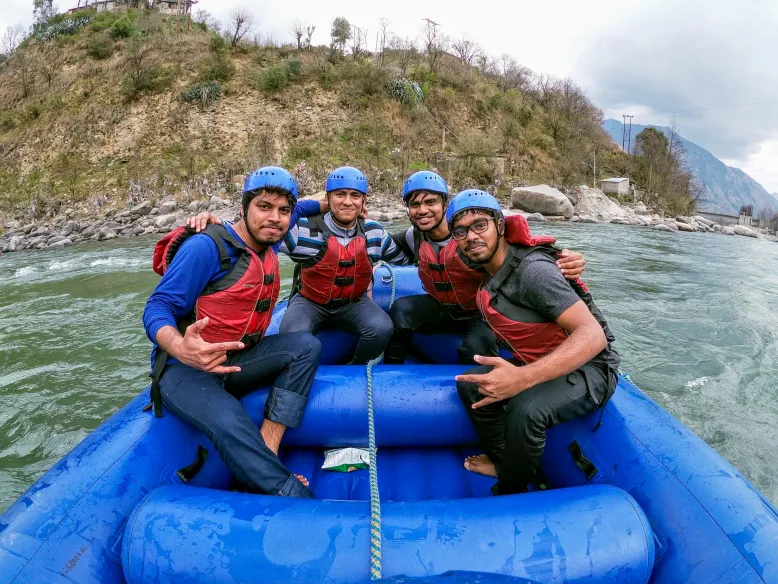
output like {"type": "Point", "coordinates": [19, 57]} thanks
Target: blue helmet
{"type": "Point", "coordinates": [270, 177]}
{"type": "Point", "coordinates": [424, 180]}
{"type": "Point", "coordinates": [346, 177]}
{"type": "Point", "coordinates": [471, 199]}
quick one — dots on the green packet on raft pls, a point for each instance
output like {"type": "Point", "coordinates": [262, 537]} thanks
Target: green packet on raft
{"type": "Point", "coordinates": [346, 459]}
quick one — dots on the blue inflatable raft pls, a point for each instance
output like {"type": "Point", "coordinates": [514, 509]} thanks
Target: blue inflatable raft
{"type": "Point", "coordinates": [654, 503]}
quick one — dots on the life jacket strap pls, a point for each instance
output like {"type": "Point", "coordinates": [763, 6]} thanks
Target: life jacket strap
{"type": "Point", "coordinates": [160, 358]}
{"type": "Point", "coordinates": [344, 281]}
{"type": "Point", "coordinates": [443, 286]}
{"type": "Point", "coordinates": [263, 305]}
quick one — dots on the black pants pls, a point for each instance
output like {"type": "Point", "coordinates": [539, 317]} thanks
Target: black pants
{"type": "Point", "coordinates": [513, 432]}
{"type": "Point", "coordinates": [422, 313]}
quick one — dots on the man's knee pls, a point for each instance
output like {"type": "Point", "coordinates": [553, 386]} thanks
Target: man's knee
{"type": "Point", "coordinates": [378, 326]}
{"type": "Point", "coordinates": [305, 345]}
{"type": "Point", "coordinates": [400, 313]}
{"type": "Point", "coordinates": [467, 390]}
{"type": "Point", "coordinates": [524, 412]}
{"type": "Point", "coordinates": [297, 318]}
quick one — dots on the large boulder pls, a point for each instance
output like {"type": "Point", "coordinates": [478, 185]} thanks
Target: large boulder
{"type": "Point", "coordinates": [542, 199]}
{"type": "Point", "coordinates": [744, 231]}
{"type": "Point", "coordinates": [143, 209]}
{"type": "Point", "coordinates": [535, 217]}
{"type": "Point", "coordinates": [167, 207]}
{"type": "Point", "coordinates": [683, 226]}
{"type": "Point", "coordinates": [61, 243]}
{"type": "Point", "coordinates": [662, 227]}
{"type": "Point", "coordinates": [595, 203]}
{"type": "Point", "coordinates": [164, 220]}
{"type": "Point", "coordinates": [54, 239]}
{"type": "Point", "coordinates": [16, 243]}
{"type": "Point", "coordinates": [704, 221]}
{"type": "Point", "coordinates": [217, 201]}
{"type": "Point", "coordinates": [727, 230]}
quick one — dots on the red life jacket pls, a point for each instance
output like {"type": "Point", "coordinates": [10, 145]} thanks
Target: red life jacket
{"type": "Point", "coordinates": [338, 274]}
{"type": "Point", "coordinates": [450, 278]}
{"type": "Point", "coordinates": [239, 305]}
{"type": "Point", "coordinates": [528, 333]}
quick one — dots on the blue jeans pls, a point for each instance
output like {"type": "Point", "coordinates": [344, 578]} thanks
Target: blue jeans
{"type": "Point", "coordinates": [211, 404]}
{"type": "Point", "coordinates": [362, 317]}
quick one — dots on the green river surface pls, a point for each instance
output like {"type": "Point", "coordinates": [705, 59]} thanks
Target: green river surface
{"type": "Point", "coordinates": [694, 317]}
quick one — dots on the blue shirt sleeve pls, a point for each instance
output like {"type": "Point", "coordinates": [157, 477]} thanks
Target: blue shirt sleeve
{"type": "Point", "coordinates": [195, 264]}
{"type": "Point", "coordinates": [304, 208]}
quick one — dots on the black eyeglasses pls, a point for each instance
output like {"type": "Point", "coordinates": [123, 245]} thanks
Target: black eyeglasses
{"type": "Point", "coordinates": [478, 226]}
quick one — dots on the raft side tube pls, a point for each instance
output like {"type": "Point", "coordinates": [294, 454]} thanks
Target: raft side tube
{"type": "Point", "coordinates": [594, 534]}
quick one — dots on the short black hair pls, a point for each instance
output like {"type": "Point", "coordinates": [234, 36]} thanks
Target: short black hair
{"type": "Point", "coordinates": [251, 195]}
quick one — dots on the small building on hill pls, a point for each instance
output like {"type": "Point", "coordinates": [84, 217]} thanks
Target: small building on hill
{"type": "Point", "coordinates": [615, 186]}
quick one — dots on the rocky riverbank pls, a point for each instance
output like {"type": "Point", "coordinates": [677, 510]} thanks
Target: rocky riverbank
{"type": "Point", "coordinates": [537, 203]}
{"type": "Point", "coordinates": [588, 205]}
{"type": "Point", "coordinates": [75, 225]}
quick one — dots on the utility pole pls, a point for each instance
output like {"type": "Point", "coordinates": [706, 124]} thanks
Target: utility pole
{"type": "Point", "coordinates": [626, 133]}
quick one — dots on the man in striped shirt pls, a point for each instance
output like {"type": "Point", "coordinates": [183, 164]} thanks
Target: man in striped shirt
{"type": "Point", "coordinates": [335, 253]}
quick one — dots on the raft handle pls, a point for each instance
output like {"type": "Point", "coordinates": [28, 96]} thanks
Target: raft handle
{"type": "Point", "coordinates": [187, 473]}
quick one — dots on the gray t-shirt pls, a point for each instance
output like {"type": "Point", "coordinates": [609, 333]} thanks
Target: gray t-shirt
{"type": "Point", "coordinates": [437, 245]}
{"type": "Point", "coordinates": [537, 283]}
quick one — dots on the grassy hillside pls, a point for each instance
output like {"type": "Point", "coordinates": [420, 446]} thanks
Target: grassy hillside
{"type": "Point", "coordinates": [113, 107]}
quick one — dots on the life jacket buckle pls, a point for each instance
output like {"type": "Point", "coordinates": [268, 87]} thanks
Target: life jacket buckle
{"type": "Point", "coordinates": [263, 305]}
{"type": "Point", "coordinates": [344, 281]}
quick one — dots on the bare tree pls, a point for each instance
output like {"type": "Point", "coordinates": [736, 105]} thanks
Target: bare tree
{"type": "Point", "coordinates": [26, 70]}
{"type": "Point", "coordinates": [297, 29]}
{"type": "Point", "coordinates": [11, 39]}
{"type": "Point", "coordinates": [465, 49]}
{"type": "Point", "coordinates": [383, 38]}
{"type": "Point", "coordinates": [358, 41]}
{"type": "Point", "coordinates": [434, 44]}
{"type": "Point", "coordinates": [47, 69]}
{"type": "Point", "coordinates": [241, 23]}
{"type": "Point", "coordinates": [206, 19]}
{"type": "Point", "coordinates": [309, 30]}
{"type": "Point", "coordinates": [406, 52]}
{"type": "Point", "coordinates": [512, 75]}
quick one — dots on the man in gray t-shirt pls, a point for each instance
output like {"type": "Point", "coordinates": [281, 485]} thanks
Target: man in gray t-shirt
{"type": "Point", "coordinates": [564, 366]}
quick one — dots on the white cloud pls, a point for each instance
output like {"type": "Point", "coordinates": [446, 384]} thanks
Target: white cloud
{"type": "Point", "coordinates": [761, 164]}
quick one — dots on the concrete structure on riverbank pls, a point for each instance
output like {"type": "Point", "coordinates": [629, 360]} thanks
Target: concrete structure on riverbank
{"type": "Point", "coordinates": [615, 186]}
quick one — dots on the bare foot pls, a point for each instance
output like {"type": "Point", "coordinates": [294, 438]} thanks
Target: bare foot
{"type": "Point", "coordinates": [303, 480]}
{"type": "Point", "coordinates": [481, 464]}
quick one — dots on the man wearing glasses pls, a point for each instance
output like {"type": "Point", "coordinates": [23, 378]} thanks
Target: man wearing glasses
{"type": "Point", "coordinates": [449, 278]}
{"type": "Point", "coordinates": [563, 367]}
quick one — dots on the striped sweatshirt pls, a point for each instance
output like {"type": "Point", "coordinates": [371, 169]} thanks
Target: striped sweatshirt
{"type": "Point", "coordinates": [299, 245]}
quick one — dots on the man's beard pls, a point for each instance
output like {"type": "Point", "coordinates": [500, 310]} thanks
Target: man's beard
{"type": "Point", "coordinates": [259, 240]}
{"type": "Point", "coordinates": [482, 261]}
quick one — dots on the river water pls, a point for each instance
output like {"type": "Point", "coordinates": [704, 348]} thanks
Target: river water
{"type": "Point", "coordinates": [694, 317]}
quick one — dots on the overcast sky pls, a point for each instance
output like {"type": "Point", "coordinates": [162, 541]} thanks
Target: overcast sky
{"type": "Point", "coordinates": [711, 63]}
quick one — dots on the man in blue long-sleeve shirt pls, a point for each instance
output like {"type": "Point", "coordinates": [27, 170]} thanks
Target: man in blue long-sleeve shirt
{"type": "Point", "coordinates": [226, 281]}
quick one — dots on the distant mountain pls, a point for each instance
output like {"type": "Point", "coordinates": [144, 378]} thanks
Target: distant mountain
{"type": "Point", "coordinates": [725, 188]}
